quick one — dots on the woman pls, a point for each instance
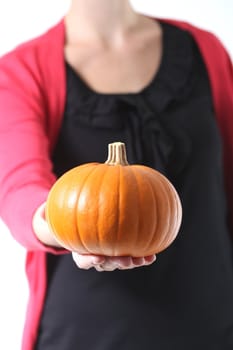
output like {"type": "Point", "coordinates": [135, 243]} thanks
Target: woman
{"type": "Point", "coordinates": [106, 73]}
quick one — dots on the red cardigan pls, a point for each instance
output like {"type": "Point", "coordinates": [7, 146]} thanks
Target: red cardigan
{"type": "Point", "coordinates": [32, 98]}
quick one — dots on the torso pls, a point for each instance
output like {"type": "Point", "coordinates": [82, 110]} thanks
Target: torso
{"type": "Point", "coordinates": [184, 300]}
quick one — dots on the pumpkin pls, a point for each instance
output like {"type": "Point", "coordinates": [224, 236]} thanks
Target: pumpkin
{"type": "Point", "coordinates": [113, 208]}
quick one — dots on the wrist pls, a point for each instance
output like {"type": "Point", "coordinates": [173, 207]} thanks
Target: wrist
{"type": "Point", "coordinates": [41, 228]}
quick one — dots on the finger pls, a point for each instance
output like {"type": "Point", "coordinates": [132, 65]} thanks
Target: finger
{"type": "Point", "coordinates": [87, 261]}
{"type": "Point", "coordinates": [115, 262]}
{"type": "Point", "coordinates": [132, 262]}
{"type": "Point", "coordinates": [150, 259]}
{"type": "Point", "coordinates": [126, 262]}
{"type": "Point", "coordinates": [122, 261]}
{"type": "Point", "coordinates": [97, 259]}
{"type": "Point", "coordinates": [138, 261]}
{"type": "Point", "coordinates": [83, 262]}
{"type": "Point", "coordinates": [99, 268]}
{"type": "Point", "coordinates": [110, 264]}
{"type": "Point", "coordinates": [105, 268]}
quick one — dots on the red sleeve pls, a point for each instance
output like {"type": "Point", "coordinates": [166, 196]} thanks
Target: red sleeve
{"type": "Point", "coordinates": [26, 170]}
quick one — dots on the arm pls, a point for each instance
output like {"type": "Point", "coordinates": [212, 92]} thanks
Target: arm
{"type": "Point", "coordinates": [26, 170]}
{"type": "Point", "coordinates": [26, 175]}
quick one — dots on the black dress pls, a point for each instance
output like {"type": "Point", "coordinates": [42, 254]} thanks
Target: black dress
{"type": "Point", "coordinates": [185, 299]}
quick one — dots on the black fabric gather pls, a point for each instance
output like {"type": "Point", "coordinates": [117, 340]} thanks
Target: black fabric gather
{"type": "Point", "coordinates": [113, 111]}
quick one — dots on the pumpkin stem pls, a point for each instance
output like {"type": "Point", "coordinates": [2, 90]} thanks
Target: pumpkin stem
{"type": "Point", "coordinates": [117, 154]}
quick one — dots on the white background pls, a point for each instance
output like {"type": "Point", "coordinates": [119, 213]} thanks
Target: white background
{"type": "Point", "coordinates": [24, 19]}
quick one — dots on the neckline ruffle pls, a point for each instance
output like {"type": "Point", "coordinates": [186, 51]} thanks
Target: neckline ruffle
{"type": "Point", "coordinates": [171, 82]}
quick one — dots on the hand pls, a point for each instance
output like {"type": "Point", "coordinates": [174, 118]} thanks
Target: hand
{"type": "Point", "coordinates": [106, 263]}
{"type": "Point", "coordinates": [100, 263]}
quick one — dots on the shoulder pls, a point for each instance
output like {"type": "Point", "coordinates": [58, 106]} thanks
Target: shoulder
{"type": "Point", "coordinates": [192, 29]}
{"type": "Point", "coordinates": [35, 51]}
{"type": "Point", "coordinates": [203, 37]}
{"type": "Point", "coordinates": [215, 56]}
{"type": "Point", "coordinates": [31, 66]}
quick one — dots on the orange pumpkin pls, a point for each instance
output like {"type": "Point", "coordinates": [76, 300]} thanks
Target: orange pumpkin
{"type": "Point", "coordinates": [114, 208]}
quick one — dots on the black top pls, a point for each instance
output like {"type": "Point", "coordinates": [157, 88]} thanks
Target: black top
{"type": "Point", "coordinates": [185, 299]}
